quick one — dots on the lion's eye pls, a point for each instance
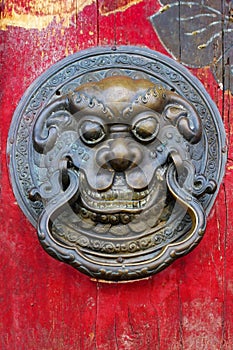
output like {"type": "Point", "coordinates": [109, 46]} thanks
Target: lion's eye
{"type": "Point", "coordinates": [146, 129]}
{"type": "Point", "coordinates": [92, 132]}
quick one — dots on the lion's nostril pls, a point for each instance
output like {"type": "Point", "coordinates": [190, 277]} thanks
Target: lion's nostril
{"type": "Point", "coordinates": [120, 164]}
{"type": "Point", "coordinates": [122, 155]}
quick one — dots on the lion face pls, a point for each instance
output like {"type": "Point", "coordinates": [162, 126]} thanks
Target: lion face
{"type": "Point", "coordinates": [128, 127]}
{"type": "Point", "coordinates": [126, 134]}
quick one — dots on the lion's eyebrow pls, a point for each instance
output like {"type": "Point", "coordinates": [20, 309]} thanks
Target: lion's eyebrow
{"type": "Point", "coordinates": [153, 98]}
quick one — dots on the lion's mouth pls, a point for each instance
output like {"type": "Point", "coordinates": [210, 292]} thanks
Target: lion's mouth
{"type": "Point", "coordinates": [118, 199]}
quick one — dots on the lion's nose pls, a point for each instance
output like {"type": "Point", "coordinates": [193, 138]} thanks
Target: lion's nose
{"type": "Point", "coordinates": [121, 155]}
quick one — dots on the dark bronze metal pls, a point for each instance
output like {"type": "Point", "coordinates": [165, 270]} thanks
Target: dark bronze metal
{"type": "Point", "coordinates": [117, 159]}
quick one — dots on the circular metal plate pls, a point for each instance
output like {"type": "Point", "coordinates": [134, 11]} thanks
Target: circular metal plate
{"type": "Point", "coordinates": [103, 250]}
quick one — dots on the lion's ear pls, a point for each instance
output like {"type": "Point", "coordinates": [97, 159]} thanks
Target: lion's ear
{"type": "Point", "coordinates": [53, 117]}
{"type": "Point", "coordinates": [184, 116]}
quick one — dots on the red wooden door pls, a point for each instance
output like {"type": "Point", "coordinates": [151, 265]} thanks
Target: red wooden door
{"type": "Point", "coordinates": [48, 305]}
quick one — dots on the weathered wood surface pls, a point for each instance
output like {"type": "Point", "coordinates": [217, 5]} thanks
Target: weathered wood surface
{"type": "Point", "coordinates": [48, 305]}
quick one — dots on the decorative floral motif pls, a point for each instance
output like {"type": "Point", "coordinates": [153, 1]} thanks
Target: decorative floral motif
{"type": "Point", "coordinates": [199, 33]}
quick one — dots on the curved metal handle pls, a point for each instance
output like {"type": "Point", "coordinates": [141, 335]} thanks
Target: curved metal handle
{"type": "Point", "coordinates": [56, 205]}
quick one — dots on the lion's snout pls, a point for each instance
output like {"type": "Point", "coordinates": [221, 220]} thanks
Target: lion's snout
{"type": "Point", "coordinates": [119, 155]}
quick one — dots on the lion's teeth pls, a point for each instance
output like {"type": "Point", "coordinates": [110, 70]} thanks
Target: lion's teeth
{"type": "Point", "coordinates": [143, 202]}
{"type": "Point", "coordinates": [112, 195]}
{"type": "Point", "coordinates": [115, 198]}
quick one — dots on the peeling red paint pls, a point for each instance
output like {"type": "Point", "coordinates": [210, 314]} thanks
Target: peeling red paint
{"type": "Point", "coordinates": [48, 305]}
{"type": "Point", "coordinates": [38, 15]}
{"type": "Point", "coordinates": [109, 7]}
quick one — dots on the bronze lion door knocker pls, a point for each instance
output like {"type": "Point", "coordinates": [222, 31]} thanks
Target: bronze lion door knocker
{"type": "Point", "coordinates": [123, 154]}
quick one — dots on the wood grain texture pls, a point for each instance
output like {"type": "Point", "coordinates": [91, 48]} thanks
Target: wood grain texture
{"type": "Point", "coordinates": [47, 305]}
